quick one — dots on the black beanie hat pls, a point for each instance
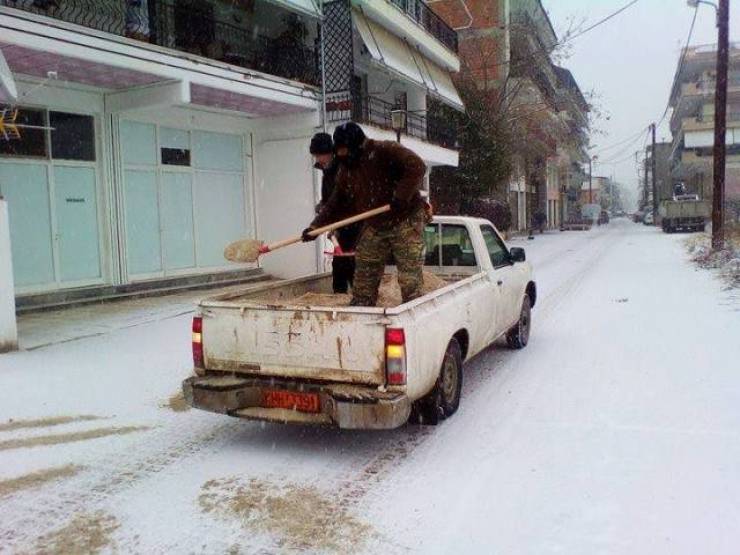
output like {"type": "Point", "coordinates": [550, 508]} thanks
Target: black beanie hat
{"type": "Point", "coordinates": [350, 135]}
{"type": "Point", "coordinates": [321, 143]}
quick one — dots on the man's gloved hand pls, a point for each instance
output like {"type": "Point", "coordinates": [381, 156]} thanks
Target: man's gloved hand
{"type": "Point", "coordinates": [398, 206]}
{"type": "Point", "coordinates": [305, 237]}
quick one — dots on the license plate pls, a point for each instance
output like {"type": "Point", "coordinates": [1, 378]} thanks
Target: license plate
{"type": "Point", "coordinates": [292, 400]}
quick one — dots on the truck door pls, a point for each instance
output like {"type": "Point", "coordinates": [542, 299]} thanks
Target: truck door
{"type": "Point", "coordinates": [505, 277]}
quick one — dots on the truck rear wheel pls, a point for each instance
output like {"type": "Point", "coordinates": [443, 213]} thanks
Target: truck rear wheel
{"type": "Point", "coordinates": [518, 336]}
{"type": "Point", "coordinates": [444, 399]}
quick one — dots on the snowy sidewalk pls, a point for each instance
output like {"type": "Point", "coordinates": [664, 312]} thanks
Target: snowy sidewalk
{"type": "Point", "coordinates": [41, 329]}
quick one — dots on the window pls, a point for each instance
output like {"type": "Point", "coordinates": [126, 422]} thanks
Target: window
{"type": "Point", "coordinates": [175, 147]}
{"type": "Point", "coordinates": [72, 136]}
{"type": "Point", "coordinates": [452, 242]}
{"type": "Point", "coordinates": [431, 245]}
{"type": "Point", "coordinates": [22, 140]}
{"type": "Point", "coordinates": [496, 249]}
{"type": "Point", "coordinates": [194, 26]}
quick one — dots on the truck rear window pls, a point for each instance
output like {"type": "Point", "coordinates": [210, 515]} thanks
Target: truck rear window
{"type": "Point", "coordinates": [448, 245]}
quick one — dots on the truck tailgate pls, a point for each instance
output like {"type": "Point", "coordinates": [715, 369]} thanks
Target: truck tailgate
{"type": "Point", "coordinates": [341, 346]}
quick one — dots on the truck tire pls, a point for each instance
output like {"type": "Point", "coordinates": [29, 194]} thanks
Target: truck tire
{"type": "Point", "coordinates": [444, 399]}
{"type": "Point", "coordinates": [518, 336]}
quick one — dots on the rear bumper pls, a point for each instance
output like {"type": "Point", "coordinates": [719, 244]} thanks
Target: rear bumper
{"type": "Point", "coordinates": [686, 221]}
{"type": "Point", "coordinates": [341, 405]}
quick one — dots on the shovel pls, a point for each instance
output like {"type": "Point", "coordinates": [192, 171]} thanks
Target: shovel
{"type": "Point", "coordinates": [249, 250]}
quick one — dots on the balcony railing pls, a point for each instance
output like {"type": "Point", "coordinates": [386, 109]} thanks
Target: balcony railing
{"type": "Point", "coordinates": [192, 26]}
{"type": "Point", "coordinates": [430, 21]}
{"type": "Point", "coordinates": [732, 116]}
{"type": "Point", "coordinates": [375, 111]}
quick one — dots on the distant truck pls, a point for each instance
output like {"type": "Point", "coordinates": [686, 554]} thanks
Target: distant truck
{"type": "Point", "coordinates": [261, 355]}
{"type": "Point", "coordinates": [684, 212]}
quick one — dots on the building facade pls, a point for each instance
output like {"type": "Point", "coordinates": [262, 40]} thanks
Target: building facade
{"type": "Point", "coordinates": [149, 134]}
{"type": "Point", "coordinates": [385, 57]}
{"type": "Point", "coordinates": [508, 47]}
{"type": "Point", "coordinates": [161, 132]}
{"type": "Point", "coordinates": [692, 122]}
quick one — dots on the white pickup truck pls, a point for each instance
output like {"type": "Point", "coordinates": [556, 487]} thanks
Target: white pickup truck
{"type": "Point", "coordinates": [260, 356]}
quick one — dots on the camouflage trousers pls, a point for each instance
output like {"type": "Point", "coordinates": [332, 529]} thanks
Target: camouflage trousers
{"type": "Point", "coordinates": [376, 245]}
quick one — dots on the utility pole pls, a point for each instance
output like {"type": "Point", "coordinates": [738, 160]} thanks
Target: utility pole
{"type": "Point", "coordinates": [645, 187]}
{"type": "Point", "coordinates": [590, 180]}
{"type": "Point", "coordinates": [720, 126]}
{"type": "Point", "coordinates": [655, 176]}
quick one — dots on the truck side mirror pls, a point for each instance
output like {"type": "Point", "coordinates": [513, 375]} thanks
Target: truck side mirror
{"type": "Point", "coordinates": [517, 254]}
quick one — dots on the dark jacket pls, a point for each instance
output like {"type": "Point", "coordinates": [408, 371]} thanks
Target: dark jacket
{"type": "Point", "coordinates": [346, 236]}
{"type": "Point", "coordinates": [383, 170]}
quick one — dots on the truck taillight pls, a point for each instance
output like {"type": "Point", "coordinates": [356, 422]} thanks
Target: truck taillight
{"type": "Point", "coordinates": [198, 341]}
{"type": "Point", "coordinates": [395, 356]}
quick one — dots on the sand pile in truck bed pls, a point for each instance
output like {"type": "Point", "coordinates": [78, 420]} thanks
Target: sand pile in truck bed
{"type": "Point", "coordinates": [389, 294]}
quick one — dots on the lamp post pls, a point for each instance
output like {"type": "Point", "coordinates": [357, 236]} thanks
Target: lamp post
{"type": "Point", "coordinates": [398, 122]}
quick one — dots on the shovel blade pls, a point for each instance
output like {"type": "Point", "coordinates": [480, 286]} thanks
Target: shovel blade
{"type": "Point", "coordinates": [244, 250]}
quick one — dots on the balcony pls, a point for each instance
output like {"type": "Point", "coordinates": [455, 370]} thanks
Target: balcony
{"type": "Point", "coordinates": [706, 122]}
{"type": "Point", "coordinates": [375, 111]}
{"type": "Point", "coordinates": [425, 17]}
{"type": "Point", "coordinates": [524, 24]}
{"type": "Point", "coordinates": [285, 44]}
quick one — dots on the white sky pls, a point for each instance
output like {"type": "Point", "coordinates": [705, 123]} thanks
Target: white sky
{"type": "Point", "coordinates": [630, 62]}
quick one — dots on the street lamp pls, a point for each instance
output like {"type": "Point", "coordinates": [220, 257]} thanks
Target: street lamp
{"type": "Point", "coordinates": [398, 122]}
{"type": "Point", "coordinates": [695, 4]}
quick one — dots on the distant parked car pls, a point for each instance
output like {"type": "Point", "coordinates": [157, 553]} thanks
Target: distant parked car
{"type": "Point", "coordinates": [648, 219]}
{"type": "Point", "coordinates": [603, 217]}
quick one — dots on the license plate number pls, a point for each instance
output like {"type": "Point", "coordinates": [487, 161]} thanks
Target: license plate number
{"type": "Point", "coordinates": [292, 400]}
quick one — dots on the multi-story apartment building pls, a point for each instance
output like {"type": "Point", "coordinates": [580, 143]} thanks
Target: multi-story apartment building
{"type": "Point", "coordinates": [508, 48]}
{"type": "Point", "coordinates": [166, 129]}
{"type": "Point", "coordinates": [161, 130]}
{"type": "Point", "coordinates": [692, 121]}
{"type": "Point", "coordinates": [572, 154]}
{"type": "Point", "coordinates": [594, 190]}
{"type": "Point", "coordinates": [392, 57]}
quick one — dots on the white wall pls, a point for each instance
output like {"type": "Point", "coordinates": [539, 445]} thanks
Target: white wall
{"type": "Point", "coordinates": [286, 200]}
{"type": "Point", "coordinates": [8, 329]}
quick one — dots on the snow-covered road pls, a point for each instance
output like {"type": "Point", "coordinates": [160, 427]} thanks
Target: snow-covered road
{"type": "Point", "coordinates": [617, 430]}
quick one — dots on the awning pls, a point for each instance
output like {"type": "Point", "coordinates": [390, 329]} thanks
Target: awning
{"type": "Point", "coordinates": [398, 57]}
{"type": "Point", "coordinates": [442, 86]}
{"type": "Point", "coordinates": [308, 7]}
{"type": "Point", "coordinates": [388, 50]}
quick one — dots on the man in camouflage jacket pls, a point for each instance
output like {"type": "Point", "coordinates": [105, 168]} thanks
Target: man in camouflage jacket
{"type": "Point", "coordinates": [371, 174]}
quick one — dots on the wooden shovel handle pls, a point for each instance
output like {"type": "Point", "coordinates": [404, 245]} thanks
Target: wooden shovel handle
{"type": "Point", "coordinates": [330, 227]}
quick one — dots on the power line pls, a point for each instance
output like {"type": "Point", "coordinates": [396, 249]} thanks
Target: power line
{"type": "Point", "coordinates": [630, 139]}
{"type": "Point", "coordinates": [601, 21]}
{"type": "Point", "coordinates": [614, 162]}
{"type": "Point", "coordinates": [568, 39]}
{"type": "Point", "coordinates": [681, 62]}
{"type": "Point", "coordinates": [624, 149]}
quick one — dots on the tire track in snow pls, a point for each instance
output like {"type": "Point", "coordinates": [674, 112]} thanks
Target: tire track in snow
{"type": "Point", "coordinates": [105, 477]}
{"type": "Point", "coordinates": [356, 484]}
